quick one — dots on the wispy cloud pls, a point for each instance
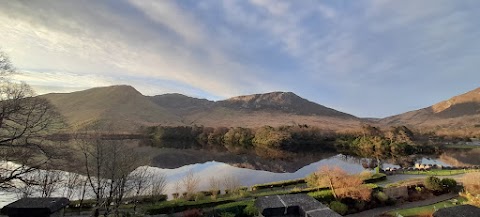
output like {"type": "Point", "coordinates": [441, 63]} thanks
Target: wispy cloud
{"type": "Point", "coordinates": [373, 58]}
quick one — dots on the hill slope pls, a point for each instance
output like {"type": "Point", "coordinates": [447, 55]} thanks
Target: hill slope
{"type": "Point", "coordinates": [122, 108]}
{"type": "Point", "coordinates": [462, 111]}
{"type": "Point", "coordinates": [286, 102]}
{"type": "Point", "coordinates": [119, 108]}
{"type": "Point", "coordinates": [274, 109]}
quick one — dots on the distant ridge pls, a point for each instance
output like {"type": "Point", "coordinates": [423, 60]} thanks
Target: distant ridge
{"type": "Point", "coordinates": [462, 111]}
{"type": "Point", "coordinates": [123, 108]}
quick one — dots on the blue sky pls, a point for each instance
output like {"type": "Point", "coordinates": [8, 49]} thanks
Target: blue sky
{"type": "Point", "coordinates": [368, 58]}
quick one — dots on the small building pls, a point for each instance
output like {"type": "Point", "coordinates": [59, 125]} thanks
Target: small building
{"type": "Point", "coordinates": [292, 205]}
{"type": "Point", "coordinates": [458, 211]}
{"type": "Point", "coordinates": [36, 207]}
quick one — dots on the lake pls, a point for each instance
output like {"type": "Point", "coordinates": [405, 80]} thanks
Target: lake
{"type": "Point", "coordinates": [250, 170]}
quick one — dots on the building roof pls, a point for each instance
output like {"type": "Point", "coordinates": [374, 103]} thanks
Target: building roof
{"type": "Point", "coordinates": [35, 206]}
{"type": "Point", "coordinates": [293, 205]}
{"type": "Point", "coordinates": [458, 211]}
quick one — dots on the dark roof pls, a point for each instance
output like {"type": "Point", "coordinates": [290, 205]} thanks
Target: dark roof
{"type": "Point", "coordinates": [458, 211]}
{"type": "Point", "coordinates": [35, 206]}
{"type": "Point", "coordinates": [293, 205]}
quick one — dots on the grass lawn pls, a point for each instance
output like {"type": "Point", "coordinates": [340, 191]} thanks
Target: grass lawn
{"type": "Point", "coordinates": [438, 172]}
{"type": "Point", "coordinates": [427, 210]}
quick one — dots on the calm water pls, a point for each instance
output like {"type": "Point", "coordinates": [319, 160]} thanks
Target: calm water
{"type": "Point", "coordinates": [257, 173]}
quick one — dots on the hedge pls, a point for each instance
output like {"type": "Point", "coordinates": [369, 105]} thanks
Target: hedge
{"type": "Point", "coordinates": [174, 206]}
{"type": "Point", "coordinates": [278, 184]}
{"type": "Point", "coordinates": [237, 208]}
{"type": "Point", "coordinates": [325, 196]}
{"type": "Point", "coordinates": [376, 178]}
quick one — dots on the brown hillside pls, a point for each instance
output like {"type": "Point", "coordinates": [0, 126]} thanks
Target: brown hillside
{"type": "Point", "coordinates": [283, 102]}
{"type": "Point", "coordinates": [121, 108]}
{"type": "Point", "coordinates": [459, 112]}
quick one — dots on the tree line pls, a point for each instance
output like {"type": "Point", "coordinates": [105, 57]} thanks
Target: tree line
{"type": "Point", "coordinates": [277, 142]}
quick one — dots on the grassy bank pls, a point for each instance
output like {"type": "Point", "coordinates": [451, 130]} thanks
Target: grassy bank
{"type": "Point", "coordinates": [427, 210]}
{"type": "Point", "coordinates": [440, 172]}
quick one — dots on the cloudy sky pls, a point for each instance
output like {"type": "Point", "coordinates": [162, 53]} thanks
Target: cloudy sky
{"type": "Point", "coordinates": [368, 58]}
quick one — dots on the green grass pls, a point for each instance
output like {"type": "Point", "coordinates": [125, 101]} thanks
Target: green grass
{"type": "Point", "coordinates": [405, 182]}
{"type": "Point", "coordinates": [279, 184]}
{"type": "Point", "coordinates": [439, 172]}
{"type": "Point", "coordinates": [428, 210]}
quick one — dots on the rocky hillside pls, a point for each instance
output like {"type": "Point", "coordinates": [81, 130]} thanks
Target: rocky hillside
{"type": "Point", "coordinates": [459, 112]}
{"type": "Point", "coordinates": [286, 102]}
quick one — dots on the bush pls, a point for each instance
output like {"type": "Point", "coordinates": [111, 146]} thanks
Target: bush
{"type": "Point", "coordinates": [382, 197]}
{"type": "Point", "coordinates": [339, 207]}
{"type": "Point", "coordinates": [322, 196]}
{"type": "Point", "coordinates": [179, 206]}
{"type": "Point", "coordinates": [250, 210]}
{"type": "Point", "coordinates": [227, 214]}
{"type": "Point", "coordinates": [236, 208]}
{"type": "Point", "coordinates": [278, 184]}
{"type": "Point", "coordinates": [377, 177]}
{"type": "Point", "coordinates": [433, 183]}
{"type": "Point", "coordinates": [449, 184]}
{"type": "Point", "coordinates": [192, 213]}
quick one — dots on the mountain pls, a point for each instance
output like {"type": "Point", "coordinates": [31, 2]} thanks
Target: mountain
{"type": "Point", "coordinates": [286, 102]}
{"type": "Point", "coordinates": [274, 109]}
{"type": "Point", "coordinates": [459, 112]}
{"type": "Point", "coordinates": [122, 108]}
{"type": "Point", "coordinates": [181, 104]}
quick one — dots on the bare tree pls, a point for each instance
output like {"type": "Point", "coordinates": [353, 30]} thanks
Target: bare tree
{"type": "Point", "coordinates": [24, 122]}
{"type": "Point", "coordinates": [342, 184]}
{"type": "Point", "coordinates": [214, 186]}
{"type": "Point", "coordinates": [158, 184]}
{"type": "Point", "coordinates": [48, 181]}
{"type": "Point", "coordinates": [71, 184]}
{"type": "Point", "coordinates": [145, 183]}
{"type": "Point", "coordinates": [108, 165]}
{"type": "Point", "coordinates": [190, 183]}
{"type": "Point", "coordinates": [231, 184]}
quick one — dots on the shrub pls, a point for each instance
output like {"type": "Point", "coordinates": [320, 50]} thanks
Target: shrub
{"type": "Point", "coordinates": [250, 210]}
{"type": "Point", "coordinates": [433, 183]}
{"type": "Point", "coordinates": [182, 205]}
{"type": "Point", "coordinates": [449, 184]}
{"type": "Point", "coordinates": [322, 196]}
{"type": "Point", "coordinates": [199, 196]}
{"type": "Point", "coordinates": [236, 208]}
{"type": "Point", "coordinates": [227, 214]}
{"type": "Point", "coordinates": [192, 213]}
{"type": "Point", "coordinates": [339, 207]}
{"type": "Point", "coordinates": [377, 177]}
{"type": "Point", "coordinates": [382, 197]}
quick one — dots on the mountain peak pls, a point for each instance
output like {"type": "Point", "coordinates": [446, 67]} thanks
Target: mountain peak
{"type": "Point", "coordinates": [281, 101]}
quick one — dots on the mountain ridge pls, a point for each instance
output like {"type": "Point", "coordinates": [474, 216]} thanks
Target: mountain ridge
{"type": "Point", "coordinates": [127, 109]}
{"type": "Point", "coordinates": [124, 105]}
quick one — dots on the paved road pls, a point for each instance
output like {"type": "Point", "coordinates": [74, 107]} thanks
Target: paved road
{"type": "Point", "coordinates": [381, 210]}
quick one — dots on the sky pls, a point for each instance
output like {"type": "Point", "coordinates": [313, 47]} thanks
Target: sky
{"type": "Point", "coordinates": [368, 58]}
